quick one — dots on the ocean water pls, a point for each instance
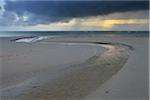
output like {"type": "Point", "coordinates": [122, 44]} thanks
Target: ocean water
{"type": "Point", "coordinates": [75, 33]}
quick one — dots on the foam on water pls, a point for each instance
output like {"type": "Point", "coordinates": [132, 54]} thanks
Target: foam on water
{"type": "Point", "coordinates": [33, 39]}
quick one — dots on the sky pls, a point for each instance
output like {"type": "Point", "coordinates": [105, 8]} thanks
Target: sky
{"type": "Point", "coordinates": [71, 15]}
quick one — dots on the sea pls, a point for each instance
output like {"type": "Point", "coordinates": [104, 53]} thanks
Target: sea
{"type": "Point", "coordinates": [75, 33]}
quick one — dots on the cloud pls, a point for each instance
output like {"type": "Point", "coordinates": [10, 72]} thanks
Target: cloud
{"type": "Point", "coordinates": [45, 12]}
{"type": "Point", "coordinates": [91, 23]}
{"type": "Point", "coordinates": [73, 15]}
{"type": "Point", "coordinates": [144, 14]}
{"type": "Point", "coordinates": [2, 3]}
{"type": "Point", "coordinates": [74, 8]}
{"type": "Point", "coordinates": [111, 23]}
{"type": "Point", "coordinates": [88, 24]}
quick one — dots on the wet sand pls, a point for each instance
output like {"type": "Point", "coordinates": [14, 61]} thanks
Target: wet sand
{"type": "Point", "coordinates": [82, 80]}
{"type": "Point", "coordinates": [132, 81]}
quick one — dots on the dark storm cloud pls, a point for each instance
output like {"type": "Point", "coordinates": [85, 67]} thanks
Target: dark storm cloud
{"type": "Point", "coordinates": [50, 11]}
{"type": "Point", "coordinates": [74, 8]}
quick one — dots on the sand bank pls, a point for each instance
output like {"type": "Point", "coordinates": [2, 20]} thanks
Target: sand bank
{"type": "Point", "coordinates": [132, 81]}
{"type": "Point", "coordinates": [75, 81]}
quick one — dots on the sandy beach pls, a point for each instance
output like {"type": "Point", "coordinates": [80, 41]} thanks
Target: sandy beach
{"type": "Point", "coordinates": [75, 69]}
{"type": "Point", "coordinates": [132, 81]}
{"type": "Point", "coordinates": [74, 49]}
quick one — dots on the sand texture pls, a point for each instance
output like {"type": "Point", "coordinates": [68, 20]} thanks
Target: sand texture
{"type": "Point", "coordinates": [115, 73]}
